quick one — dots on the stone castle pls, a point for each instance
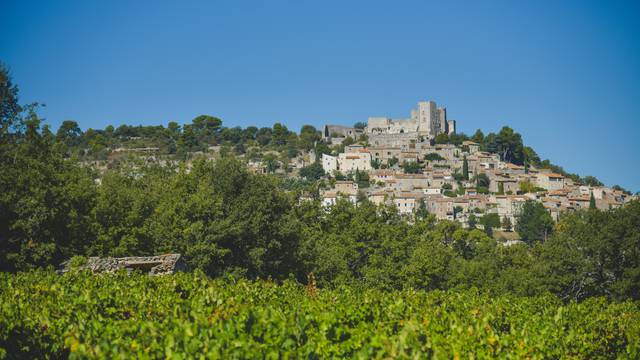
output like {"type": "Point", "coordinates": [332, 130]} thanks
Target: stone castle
{"type": "Point", "coordinates": [425, 123]}
{"type": "Point", "coordinates": [427, 120]}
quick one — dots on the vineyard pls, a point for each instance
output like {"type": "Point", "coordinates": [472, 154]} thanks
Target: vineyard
{"type": "Point", "coordinates": [44, 315]}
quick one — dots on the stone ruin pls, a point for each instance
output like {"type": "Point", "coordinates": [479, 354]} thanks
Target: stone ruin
{"type": "Point", "coordinates": [152, 265]}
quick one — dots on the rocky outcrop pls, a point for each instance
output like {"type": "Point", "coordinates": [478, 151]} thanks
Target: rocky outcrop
{"type": "Point", "coordinates": [153, 265]}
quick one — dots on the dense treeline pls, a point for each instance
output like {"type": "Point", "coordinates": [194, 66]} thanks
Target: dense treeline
{"type": "Point", "coordinates": [180, 141]}
{"type": "Point", "coordinates": [232, 223]}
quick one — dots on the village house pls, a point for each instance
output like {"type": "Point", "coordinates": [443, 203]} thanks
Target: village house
{"type": "Point", "coordinates": [329, 163]}
{"type": "Point", "coordinates": [407, 202]}
{"type": "Point", "coordinates": [346, 187]}
{"type": "Point", "coordinates": [472, 146]}
{"type": "Point", "coordinates": [441, 207]}
{"type": "Point", "coordinates": [331, 132]}
{"type": "Point", "coordinates": [502, 182]}
{"type": "Point", "coordinates": [384, 154]}
{"type": "Point", "coordinates": [550, 181]}
{"type": "Point", "coordinates": [382, 175]}
{"type": "Point", "coordinates": [509, 206]}
{"type": "Point", "coordinates": [356, 160]}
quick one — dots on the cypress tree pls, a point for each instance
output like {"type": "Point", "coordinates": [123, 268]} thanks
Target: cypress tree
{"type": "Point", "coordinates": [465, 168]}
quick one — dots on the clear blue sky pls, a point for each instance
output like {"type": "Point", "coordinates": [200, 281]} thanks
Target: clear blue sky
{"type": "Point", "coordinates": [565, 74]}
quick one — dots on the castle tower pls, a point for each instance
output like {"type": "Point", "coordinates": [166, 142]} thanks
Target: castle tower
{"type": "Point", "coordinates": [442, 120]}
{"type": "Point", "coordinates": [451, 127]}
{"type": "Point", "coordinates": [428, 123]}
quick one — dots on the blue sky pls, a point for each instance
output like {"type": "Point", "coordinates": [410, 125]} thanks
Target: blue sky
{"type": "Point", "coordinates": [565, 74]}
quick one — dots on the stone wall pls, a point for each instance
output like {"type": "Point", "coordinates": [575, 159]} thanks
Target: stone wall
{"type": "Point", "coordinates": [153, 265]}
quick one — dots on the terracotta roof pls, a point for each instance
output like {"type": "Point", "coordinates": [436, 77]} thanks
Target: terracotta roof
{"type": "Point", "coordinates": [409, 196]}
{"type": "Point", "coordinates": [552, 175]}
{"type": "Point", "coordinates": [580, 198]}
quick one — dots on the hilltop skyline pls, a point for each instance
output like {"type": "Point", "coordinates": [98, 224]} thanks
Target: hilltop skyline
{"type": "Point", "coordinates": [565, 76]}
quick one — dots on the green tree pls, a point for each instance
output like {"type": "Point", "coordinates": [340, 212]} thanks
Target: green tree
{"type": "Point", "coordinates": [472, 221]}
{"type": "Point", "coordinates": [490, 221]}
{"type": "Point", "coordinates": [411, 167]}
{"type": "Point", "coordinates": [592, 181]}
{"type": "Point", "coordinates": [482, 183]}
{"type": "Point", "coordinates": [533, 222]}
{"type": "Point", "coordinates": [280, 134]}
{"type": "Point", "coordinates": [271, 162]}
{"type": "Point", "coordinates": [508, 144]}
{"type": "Point", "coordinates": [360, 125]}
{"type": "Point", "coordinates": [592, 201]}
{"type": "Point", "coordinates": [422, 212]}
{"type": "Point", "coordinates": [10, 109]}
{"type": "Point", "coordinates": [465, 168]}
{"type": "Point", "coordinates": [308, 137]}
{"type": "Point", "coordinates": [478, 137]}
{"type": "Point", "coordinates": [313, 171]}
{"type": "Point", "coordinates": [442, 138]}
{"type": "Point", "coordinates": [69, 133]}
{"type": "Point", "coordinates": [348, 141]}
{"type": "Point", "coordinates": [362, 179]}
{"type": "Point", "coordinates": [206, 129]}
{"type": "Point", "coordinates": [45, 202]}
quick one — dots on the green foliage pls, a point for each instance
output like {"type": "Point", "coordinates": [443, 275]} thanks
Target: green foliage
{"type": "Point", "coordinates": [433, 157]}
{"type": "Point", "coordinates": [482, 180]}
{"type": "Point", "coordinates": [478, 137]}
{"type": "Point", "coordinates": [309, 136]}
{"type": "Point", "coordinates": [412, 167]}
{"type": "Point", "coordinates": [348, 141]}
{"type": "Point", "coordinates": [490, 221]}
{"type": "Point", "coordinates": [136, 316]}
{"type": "Point", "coordinates": [422, 212]}
{"type": "Point", "coordinates": [313, 171]}
{"type": "Point", "coordinates": [360, 125]}
{"type": "Point", "coordinates": [533, 222]}
{"type": "Point", "coordinates": [473, 221]}
{"type": "Point", "coordinates": [592, 181]}
{"type": "Point", "coordinates": [362, 179]}
{"type": "Point", "coordinates": [442, 138]}
{"type": "Point", "coordinates": [45, 201]}
{"type": "Point", "coordinates": [594, 253]}
{"type": "Point", "coordinates": [465, 168]}
{"type": "Point", "coordinates": [528, 187]}
{"type": "Point", "coordinates": [10, 109]}
{"type": "Point", "coordinates": [508, 144]}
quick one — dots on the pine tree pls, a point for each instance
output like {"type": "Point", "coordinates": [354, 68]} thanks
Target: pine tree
{"type": "Point", "coordinates": [592, 202]}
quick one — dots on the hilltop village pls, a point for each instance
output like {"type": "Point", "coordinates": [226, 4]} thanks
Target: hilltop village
{"type": "Point", "coordinates": [406, 167]}
{"type": "Point", "coordinates": [418, 164]}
